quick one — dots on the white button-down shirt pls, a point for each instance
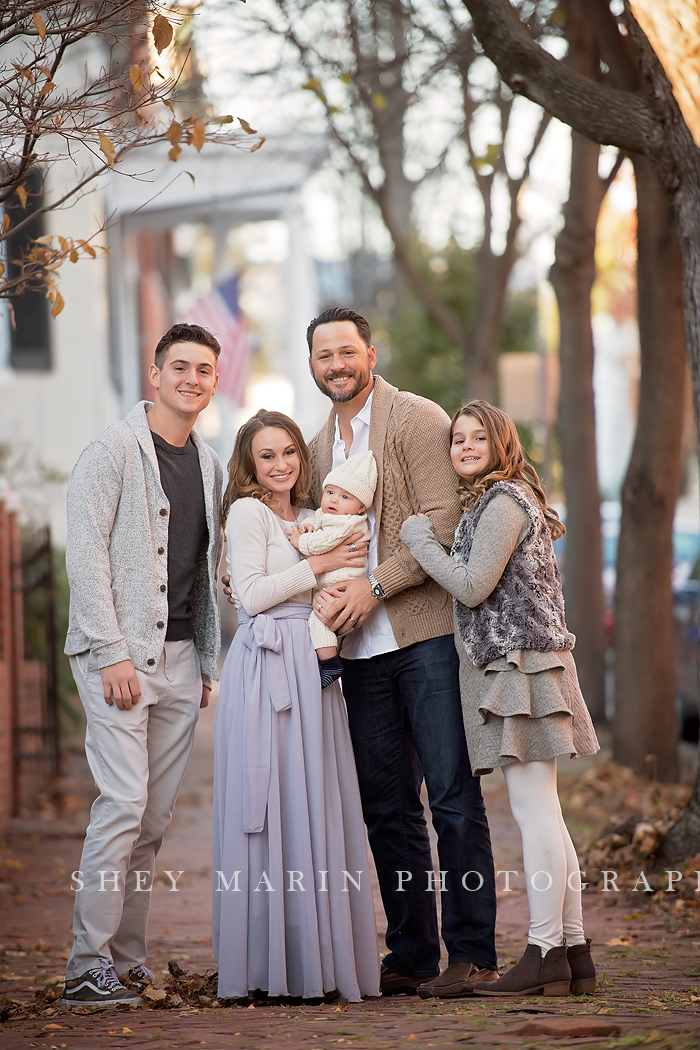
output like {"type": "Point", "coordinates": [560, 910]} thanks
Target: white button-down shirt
{"type": "Point", "coordinates": [375, 636]}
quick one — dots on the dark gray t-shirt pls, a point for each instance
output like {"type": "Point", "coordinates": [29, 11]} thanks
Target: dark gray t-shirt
{"type": "Point", "coordinates": [188, 535]}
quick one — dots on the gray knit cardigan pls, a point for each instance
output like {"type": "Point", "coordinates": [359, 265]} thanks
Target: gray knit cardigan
{"type": "Point", "coordinates": [526, 608]}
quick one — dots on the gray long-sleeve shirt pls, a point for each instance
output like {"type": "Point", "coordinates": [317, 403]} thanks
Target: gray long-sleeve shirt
{"type": "Point", "coordinates": [502, 527]}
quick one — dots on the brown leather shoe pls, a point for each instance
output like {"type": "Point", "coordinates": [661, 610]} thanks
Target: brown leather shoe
{"type": "Point", "coordinates": [393, 983]}
{"type": "Point", "coordinates": [458, 980]}
{"type": "Point", "coordinates": [583, 975]}
{"type": "Point", "coordinates": [533, 975]}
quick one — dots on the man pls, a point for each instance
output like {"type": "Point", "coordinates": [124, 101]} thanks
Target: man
{"type": "Point", "coordinates": [143, 638]}
{"type": "Point", "coordinates": [400, 674]}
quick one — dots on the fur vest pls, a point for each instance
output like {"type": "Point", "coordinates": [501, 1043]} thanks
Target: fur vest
{"type": "Point", "coordinates": [526, 608]}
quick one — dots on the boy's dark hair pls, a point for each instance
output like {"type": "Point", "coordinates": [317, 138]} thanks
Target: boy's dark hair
{"type": "Point", "coordinates": [185, 333]}
{"type": "Point", "coordinates": [340, 313]}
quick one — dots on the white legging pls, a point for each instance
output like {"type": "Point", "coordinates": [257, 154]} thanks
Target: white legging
{"type": "Point", "coordinates": [549, 857]}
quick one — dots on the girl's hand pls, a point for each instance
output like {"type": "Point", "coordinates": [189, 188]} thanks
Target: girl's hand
{"type": "Point", "coordinates": [343, 556]}
{"type": "Point", "coordinates": [412, 516]}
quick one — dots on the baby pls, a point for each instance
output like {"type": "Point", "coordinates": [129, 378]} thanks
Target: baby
{"type": "Point", "coordinates": [347, 492]}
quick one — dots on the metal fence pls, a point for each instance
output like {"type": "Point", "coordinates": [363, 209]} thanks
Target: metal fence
{"type": "Point", "coordinates": [29, 716]}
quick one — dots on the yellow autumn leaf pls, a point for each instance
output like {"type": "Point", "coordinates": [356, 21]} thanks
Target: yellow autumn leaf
{"type": "Point", "coordinates": [5, 222]}
{"type": "Point", "coordinates": [246, 127]}
{"type": "Point", "coordinates": [57, 305]}
{"type": "Point", "coordinates": [40, 25]}
{"type": "Point", "coordinates": [257, 146]}
{"type": "Point", "coordinates": [312, 84]}
{"type": "Point", "coordinates": [378, 100]}
{"type": "Point", "coordinates": [2, 268]}
{"type": "Point", "coordinates": [107, 147]}
{"type": "Point", "coordinates": [174, 153]}
{"type": "Point", "coordinates": [138, 116]}
{"type": "Point", "coordinates": [74, 255]}
{"type": "Point", "coordinates": [88, 248]}
{"type": "Point", "coordinates": [228, 119]}
{"type": "Point", "coordinates": [199, 135]}
{"type": "Point", "coordinates": [175, 133]}
{"type": "Point", "coordinates": [22, 194]}
{"type": "Point", "coordinates": [63, 242]}
{"type": "Point", "coordinates": [136, 78]}
{"type": "Point", "coordinates": [162, 33]}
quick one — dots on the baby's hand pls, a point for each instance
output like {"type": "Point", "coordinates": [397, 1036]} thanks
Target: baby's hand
{"type": "Point", "coordinates": [306, 526]}
{"type": "Point", "coordinates": [294, 536]}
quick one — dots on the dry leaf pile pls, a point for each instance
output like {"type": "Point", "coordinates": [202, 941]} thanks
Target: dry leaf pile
{"type": "Point", "coordinates": [635, 814]}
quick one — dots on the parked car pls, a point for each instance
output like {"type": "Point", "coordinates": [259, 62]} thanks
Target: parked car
{"type": "Point", "coordinates": [686, 604]}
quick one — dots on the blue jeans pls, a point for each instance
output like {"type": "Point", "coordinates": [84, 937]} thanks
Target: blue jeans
{"type": "Point", "coordinates": [405, 720]}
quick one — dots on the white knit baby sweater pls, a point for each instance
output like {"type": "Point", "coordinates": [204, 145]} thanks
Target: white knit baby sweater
{"type": "Point", "coordinates": [329, 531]}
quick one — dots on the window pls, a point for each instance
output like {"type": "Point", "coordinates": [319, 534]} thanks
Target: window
{"type": "Point", "coordinates": [29, 341]}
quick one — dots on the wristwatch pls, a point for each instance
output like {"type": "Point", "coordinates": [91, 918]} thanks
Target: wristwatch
{"type": "Point", "coordinates": [378, 591]}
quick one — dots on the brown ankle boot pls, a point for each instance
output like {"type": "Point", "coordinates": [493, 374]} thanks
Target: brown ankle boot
{"type": "Point", "coordinates": [533, 975]}
{"type": "Point", "coordinates": [582, 968]}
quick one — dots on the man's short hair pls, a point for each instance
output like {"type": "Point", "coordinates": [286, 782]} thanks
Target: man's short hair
{"type": "Point", "coordinates": [340, 313]}
{"type": "Point", "coordinates": [185, 333]}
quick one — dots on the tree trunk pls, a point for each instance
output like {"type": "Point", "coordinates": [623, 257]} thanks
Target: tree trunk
{"type": "Point", "coordinates": [645, 694]}
{"type": "Point", "coordinates": [572, 277]}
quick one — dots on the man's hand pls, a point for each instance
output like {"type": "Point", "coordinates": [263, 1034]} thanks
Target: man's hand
{"type": "Point", "coordinates": [347, 606]}
{"type": "Point", "coordinates": [121, 685]}
{"type": "Point", "coordinates": [226, 580]}
{"type": "Point", "coordinates": [206, 693]}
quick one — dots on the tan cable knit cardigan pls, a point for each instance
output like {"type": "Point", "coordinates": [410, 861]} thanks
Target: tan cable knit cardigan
{"type": "Point", "coordinates": [410, 438]}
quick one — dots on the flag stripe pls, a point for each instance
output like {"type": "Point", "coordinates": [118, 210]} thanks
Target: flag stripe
{"type": "Point", "coordinates": [230, 328]}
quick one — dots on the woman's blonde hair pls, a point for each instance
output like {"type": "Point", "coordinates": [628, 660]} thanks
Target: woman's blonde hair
{"type": "Point", "coordinates": [506, 462]}
{"type": "Point", "coordinates": [241, 466]}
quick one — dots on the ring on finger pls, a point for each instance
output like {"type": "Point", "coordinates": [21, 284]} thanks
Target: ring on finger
{"type": "Point", "coordinates": [352, 546]}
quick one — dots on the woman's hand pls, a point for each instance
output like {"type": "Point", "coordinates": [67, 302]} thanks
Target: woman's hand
{"type": "Point", "coordinates": [350, 554]}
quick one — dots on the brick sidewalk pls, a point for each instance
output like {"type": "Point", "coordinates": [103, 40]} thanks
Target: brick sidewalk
{"type": "Point", "coordinates": [650, 960]}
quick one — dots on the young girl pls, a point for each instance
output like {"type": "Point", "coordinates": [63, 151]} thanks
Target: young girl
{"type": "Point", "coordinates": [521, 701]}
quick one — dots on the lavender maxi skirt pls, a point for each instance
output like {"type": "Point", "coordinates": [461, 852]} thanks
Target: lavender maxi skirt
{"type": "Point", "coordinates": [287, 823]}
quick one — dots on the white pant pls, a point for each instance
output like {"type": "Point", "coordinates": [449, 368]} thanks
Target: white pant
{"type": "Point", "coordinates": [548, 853]}
{"type": "Point", "coordinates": [138, 759]}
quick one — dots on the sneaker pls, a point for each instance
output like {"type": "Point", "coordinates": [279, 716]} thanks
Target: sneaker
{"type": "Point", "coordinates": [140, 977]}
{"type": "Point", "coordinates": [98, 987]}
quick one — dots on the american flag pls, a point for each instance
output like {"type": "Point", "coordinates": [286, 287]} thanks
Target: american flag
{"type": "Point", "coordinates": [220, 313]}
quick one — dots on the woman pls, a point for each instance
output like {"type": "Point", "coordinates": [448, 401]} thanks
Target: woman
{"type": "Point", "coordinates": [293, 911]}
{"type": "Point", "coordinates": [521, 700]}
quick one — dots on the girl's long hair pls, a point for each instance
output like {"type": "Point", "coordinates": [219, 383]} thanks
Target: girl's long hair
{"type": "Point", "coordinates": [506, 463]}
{"type": "Point", "coordinates": [241, 466]}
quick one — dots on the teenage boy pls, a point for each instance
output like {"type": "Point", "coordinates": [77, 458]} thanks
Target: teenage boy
{"type": "Point", "coordinates": [143, 639]}
{"type": "Point", "coordinates": [401, 673]}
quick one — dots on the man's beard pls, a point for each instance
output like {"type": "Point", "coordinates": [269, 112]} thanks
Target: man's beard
{"type": "Point", "coordinates": [326, 387]}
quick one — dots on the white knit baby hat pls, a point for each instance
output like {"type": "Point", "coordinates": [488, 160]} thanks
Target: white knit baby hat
{"type": "Point", "coordinates": [357, 475]}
